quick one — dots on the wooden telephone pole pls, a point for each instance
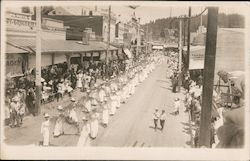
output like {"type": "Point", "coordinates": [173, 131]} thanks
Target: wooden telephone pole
{"type": "Point", "coordinates": [188, 37]}
{"type": "Point", "coordinates": [207, 93]}
{"type": "Point", "coordinates": [108, 43]}
{"type": "Point", "coordinates": [180, 44]}
{"type": "Point", "coordinates": [38, 60]}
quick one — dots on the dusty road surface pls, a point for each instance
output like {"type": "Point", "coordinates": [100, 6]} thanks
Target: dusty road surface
{"type": "Point", "coordinates": [132, 126]}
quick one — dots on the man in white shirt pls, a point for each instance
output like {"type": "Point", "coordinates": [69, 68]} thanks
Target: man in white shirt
{"type": "Point", "coordinates": [156, 117]}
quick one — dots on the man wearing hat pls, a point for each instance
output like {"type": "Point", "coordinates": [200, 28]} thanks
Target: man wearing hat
{"type": "Point", "coordinates": [58, 130]}
{"type": "Point", "coordinates": [45, 130]}
{"type": "Point", "coordinates": [85, 131]}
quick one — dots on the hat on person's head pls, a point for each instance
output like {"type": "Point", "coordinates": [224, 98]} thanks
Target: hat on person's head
{"type": "Point", "coordinates": [14, 99]}
{"type": "Point", "coordinates": [46, 115]}
{"type": "Point", "coordinates": [72, 99]}
{"type": "Point", "coordinates": [60, 107]}
{"type": "Point", "coordinates": [84, 118]}
{"type": "Point", "coordinates": [42, 80]}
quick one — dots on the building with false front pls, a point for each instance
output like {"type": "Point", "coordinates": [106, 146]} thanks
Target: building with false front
{"type": "Point", "coordinates": [21, 44]}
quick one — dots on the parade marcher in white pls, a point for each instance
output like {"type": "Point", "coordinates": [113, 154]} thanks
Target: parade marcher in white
{"type": "Point", "coordinates": [118, 99]}
{"type": "Point", "coordinates": [58, 130]}
{"type": "Point", "coordinates": [177, 104]}
{"type": "Point", "coordinates": [101, 94]}
{"type": "Point", "coordinates": [87, 104]}
{"type": "Point", "coordinates": [45, 130]}
{"type": "Point", "coordinates": [84, 135]}
{"type": "Point", "coordinates": [105, 113]}
{"type": "Point", "coordinates": [72, 113]}
{"type": "Point", "coordinates": [73, 116]}
{"type": "Point", "coordinates": [112, 106]}
{"type": "Point", "coordinates": [94, 124]}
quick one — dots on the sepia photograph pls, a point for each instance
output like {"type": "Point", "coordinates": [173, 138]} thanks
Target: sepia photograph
{"type": "Point", "coordinates": [147, 76]}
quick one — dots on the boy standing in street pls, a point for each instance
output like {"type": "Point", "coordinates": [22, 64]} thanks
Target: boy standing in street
{"type": "Point", "coordinates": [156, 117]}
{"type": "Point", "coordinates": [162, 119]}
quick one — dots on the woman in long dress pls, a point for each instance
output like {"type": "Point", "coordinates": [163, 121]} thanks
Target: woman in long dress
{"type": "Point", "coordinates": [58, 130]}
{"type": "Point", "coordinates": [105, 113]}
{"type": "Point", "coordinates": [118, 99]}
{"type": "Point", "coordinates": [101, 94]}
{"type": "Point", "coordinates": [112, 106]}
{"type": "Point", "coordinates": [94, 125]}
{"type": "Point", "coordinates": [87, 104]}
{"type": "Point", "coordinates": [84, 135]}
{"type": "Point", "coordinates": [45, 130]}
{"type": "Point", "coordinates": [79, 80]}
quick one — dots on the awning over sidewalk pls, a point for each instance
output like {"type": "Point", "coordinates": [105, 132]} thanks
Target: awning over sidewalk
{"type": "Point", "coordinates": [14, 50]}
{"type": "Point", "coordinates": [157, 47]}
{"type": "Point", "coordinates": [59, 46]}
{"type": "Point", "coordinates": [127, 52]}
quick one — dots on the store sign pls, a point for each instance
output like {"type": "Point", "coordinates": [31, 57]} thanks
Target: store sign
{"type": "Point", "coordinates": [196, 58]}
{"type": "Point", "coordinates": [14, 64]}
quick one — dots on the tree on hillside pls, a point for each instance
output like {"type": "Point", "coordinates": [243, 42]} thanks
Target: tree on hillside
{"type": "Point", "coordinates": [224, 21]}
{"type": "Point", "coordinates": [44, 11]}
{"type": "Point", "coordinates": [25, 9]}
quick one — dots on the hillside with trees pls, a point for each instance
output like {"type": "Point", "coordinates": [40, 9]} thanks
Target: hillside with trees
{"type": "Point", "coordinates": [158, 27]}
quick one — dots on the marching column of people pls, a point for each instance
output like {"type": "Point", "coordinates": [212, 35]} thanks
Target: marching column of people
{"type": "Point", "coordinates": [102, 102]}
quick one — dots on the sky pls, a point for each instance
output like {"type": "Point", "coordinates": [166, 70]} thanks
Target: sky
{"type": "Point", "coordinates": [149, 13]}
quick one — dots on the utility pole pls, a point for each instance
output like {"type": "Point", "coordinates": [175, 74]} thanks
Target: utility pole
{"type": "Point", "coordinates": [147, 40]}
{"type": "Point", "coordinates": [180, 54]}
{"type": "Point", "coordinates": [184, 31]}
{"type": "Point", "coordinates": [201, 18]}
{"type": "Point", "coordinates": [188, 37]}
{"type": "Point", "coordinates": [180, 44]}
{"type": "Point", "coordinates": [209, 66]}
{"type": "Point", "coordinates": [138, 35]}
{"type": "Point", "coordinates": [38, 59]}
{"type": "Point", "coordinates": [108, 43]}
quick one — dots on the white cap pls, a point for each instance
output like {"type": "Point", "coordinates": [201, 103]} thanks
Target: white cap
{"type": "Point", "coordinates": [73, 100]}
{"type": "Point", "coordinates": [84, 118]}
{"type": "Point", "coordinates": [46, 115]}
{"type": "Point", "coordinates": [60, 108]}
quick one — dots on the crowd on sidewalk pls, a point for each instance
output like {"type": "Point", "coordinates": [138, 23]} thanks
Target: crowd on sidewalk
{"type": "Point", "coordinates": [101, 102]}
{"type": "Point", "coordinates": [57, 80]}
{"type": "Point", "coordinates": [223, 115]}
